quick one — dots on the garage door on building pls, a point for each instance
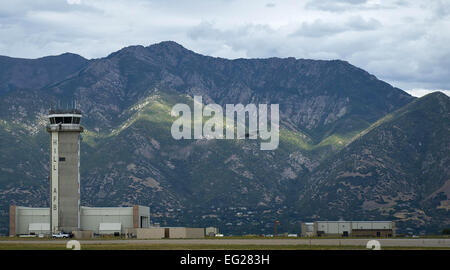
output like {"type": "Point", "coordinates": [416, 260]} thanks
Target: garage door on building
{"type": "Point", "coordinates": [37, 228]}
{"type": "Point", "coordinates": [110, 228]}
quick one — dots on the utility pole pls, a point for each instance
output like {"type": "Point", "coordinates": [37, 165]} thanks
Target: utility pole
{"type": "Point", "coordinates": [276, 223]}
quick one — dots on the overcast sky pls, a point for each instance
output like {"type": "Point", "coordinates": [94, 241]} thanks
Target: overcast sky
{"type": "Point", "coordinates": [406, 43]}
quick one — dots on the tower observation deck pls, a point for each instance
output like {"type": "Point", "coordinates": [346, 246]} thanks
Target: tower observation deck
{"type": "Point", "coordinates": [65, 129]}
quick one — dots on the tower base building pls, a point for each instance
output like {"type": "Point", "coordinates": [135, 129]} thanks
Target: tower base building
{"type": "Point", "coordinates": [99, 220]}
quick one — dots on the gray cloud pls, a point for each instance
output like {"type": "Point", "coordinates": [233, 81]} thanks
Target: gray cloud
{"type": "Point", "coordinates": [354, 5]}
{"type": "Point", "coordinates": [441, 8]}
{"type": "Point", "coordinates": [335, 5]}
{"type": "Point", "coordinates": [320, 28]}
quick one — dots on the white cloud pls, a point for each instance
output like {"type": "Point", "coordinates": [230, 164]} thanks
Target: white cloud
{"type": "Point", "coordinates": [74, 2]}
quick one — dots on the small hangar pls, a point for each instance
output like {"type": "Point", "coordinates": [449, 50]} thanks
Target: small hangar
{"type": "Point", "coordinates": [165, 232]}
{"type": "Point", "coordinates": [349, 228]}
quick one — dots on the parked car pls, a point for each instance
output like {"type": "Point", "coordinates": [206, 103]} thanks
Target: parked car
{"type": "Point", "coordinates": [60, 235]}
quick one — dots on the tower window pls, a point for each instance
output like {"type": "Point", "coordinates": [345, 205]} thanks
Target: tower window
{"type": "Point", "coordinates": [58, 120]}
{"type": "Point", "coordinates": [67, 120]}
{"type": "Point", "coordinates": [62, 159]}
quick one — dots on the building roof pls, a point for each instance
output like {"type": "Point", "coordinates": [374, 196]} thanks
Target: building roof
{"type": "Point", "coordinates": [358, 221]}
{"type": "Point", "coordinates": [61, 111]}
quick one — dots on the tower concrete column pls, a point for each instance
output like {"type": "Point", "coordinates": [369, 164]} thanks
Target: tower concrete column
{"type": "Point", "coordinates": [65, 129]}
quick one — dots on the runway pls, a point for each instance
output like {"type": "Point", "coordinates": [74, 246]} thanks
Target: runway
{"type": "Point", "coordinates": [391, 242]}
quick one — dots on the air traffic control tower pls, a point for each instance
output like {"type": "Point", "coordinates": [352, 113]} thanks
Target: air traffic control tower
{"type": "Point", "coordinates": [65, 130]}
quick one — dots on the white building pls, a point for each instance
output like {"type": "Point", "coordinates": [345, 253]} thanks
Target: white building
{"type": "Point", "coordinates": [349, 228]}
{"type": "Point", "coordinates": [99, 220]}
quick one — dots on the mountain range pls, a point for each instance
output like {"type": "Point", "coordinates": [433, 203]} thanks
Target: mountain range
{"type": "Point", "coordinates": [351, 146]}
